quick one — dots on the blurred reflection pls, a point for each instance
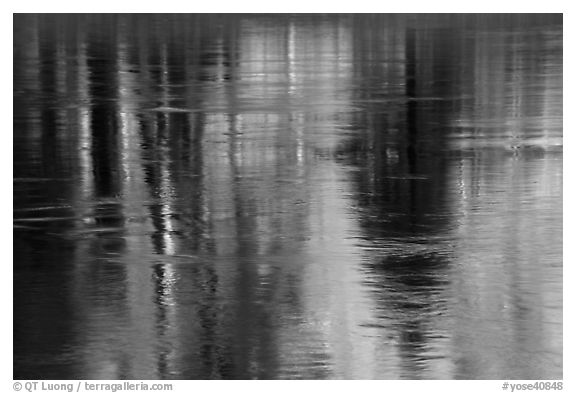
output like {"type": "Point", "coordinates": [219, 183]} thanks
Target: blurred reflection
{"type": "Point", "coordinates": [287, 196]}
{"type": "Point", "coordinates": [408, 191]}
{"type": "Point", "coordinates": [402, 199]}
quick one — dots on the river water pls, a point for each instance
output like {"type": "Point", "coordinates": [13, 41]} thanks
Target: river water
{"type": "Point", "coordinates": [287, 196]}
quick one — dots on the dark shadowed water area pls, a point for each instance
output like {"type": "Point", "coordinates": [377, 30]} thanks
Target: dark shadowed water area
{"type": "Point", "coordinates": [287, 196]}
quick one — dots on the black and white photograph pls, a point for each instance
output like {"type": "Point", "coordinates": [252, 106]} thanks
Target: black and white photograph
{"type": "Point", "coordinates": [287, 196]}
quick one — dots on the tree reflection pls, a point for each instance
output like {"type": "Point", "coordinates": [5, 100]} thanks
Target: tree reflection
{"type": "Point", "coordinates": [405, 154]}
{"type": "Point", "coordinates": [402, 187]}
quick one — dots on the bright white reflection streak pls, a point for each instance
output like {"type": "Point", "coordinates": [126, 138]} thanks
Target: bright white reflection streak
{"type": "Point", "coordinates": [297, 118]}
{"type": "Point", "coordinates": [85, 137]}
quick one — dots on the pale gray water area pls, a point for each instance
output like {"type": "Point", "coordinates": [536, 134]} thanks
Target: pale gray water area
{"type": "Point", "coordinates": [288, 196]}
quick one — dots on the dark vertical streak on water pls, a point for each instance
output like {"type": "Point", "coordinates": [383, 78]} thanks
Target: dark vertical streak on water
{"type": "Point", "coordinates": [411, 103]}
{"type": "Point", "coordinates": [48, 120]}
{"type": "Point", "coordinates": [200, 228]}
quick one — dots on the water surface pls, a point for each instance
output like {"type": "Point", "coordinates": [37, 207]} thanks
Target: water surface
{"type": "Point", "coordinates": [287, 197]}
